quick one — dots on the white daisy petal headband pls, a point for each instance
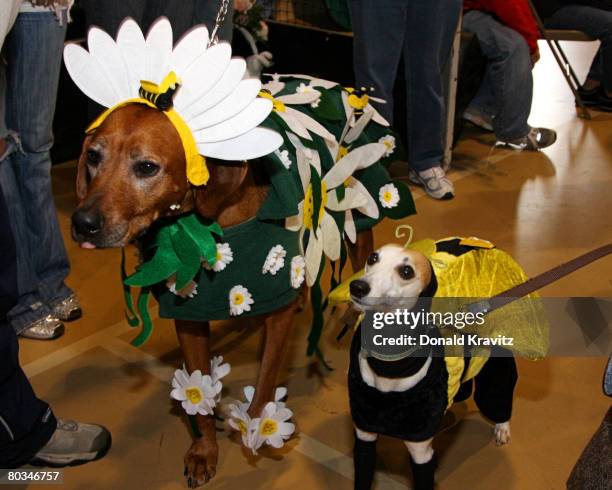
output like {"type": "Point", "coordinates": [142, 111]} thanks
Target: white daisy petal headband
{"type": "Point", "coordinates": [198, 86]}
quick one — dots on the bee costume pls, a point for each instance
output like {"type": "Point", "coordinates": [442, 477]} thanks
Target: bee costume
{"type": "Point", "coordinates": [463, 268]}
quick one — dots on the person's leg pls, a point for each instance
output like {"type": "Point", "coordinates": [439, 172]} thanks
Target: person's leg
{"type": "Point", "coordinates": [26, 423]}
{"type": "Point", "coordinates": [597, 23]}
{"type": "Point", "coordinates": [509, 71]}
{"type": "Point", "coordinates": [429, 32]}
{"type": "Point", "coordinates": [430, 28]}
{"type": "Point", "coordinates": [379, 29]}
{"type": "Point", "coordinates": [34, 49]}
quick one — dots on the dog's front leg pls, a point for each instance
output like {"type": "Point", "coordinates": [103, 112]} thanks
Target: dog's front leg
{"type": "Point", "coordinates": [423, 463]}
{"type": "Point", "coordinates": [201, 458]}
{"type": "Point", "coordinates": [364, 459]}
{"type": "Point", "coordinates": [277, 330]}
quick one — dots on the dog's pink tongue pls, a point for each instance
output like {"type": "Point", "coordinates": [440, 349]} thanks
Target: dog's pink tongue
{"type": "Point", "coordinates": [87, 245]}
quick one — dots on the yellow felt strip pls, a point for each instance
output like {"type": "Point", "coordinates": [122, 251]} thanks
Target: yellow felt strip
{"type": "Point", "coordinates": [197, 171]}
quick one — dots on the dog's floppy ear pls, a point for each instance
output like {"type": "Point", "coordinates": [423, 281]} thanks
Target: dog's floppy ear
{"type": "Point", "coordinates": [222, 188]}
{"type": "Point", "coordinates": [82, 179]}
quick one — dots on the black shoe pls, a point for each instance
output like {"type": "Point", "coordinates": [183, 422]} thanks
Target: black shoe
{"type": "Point", "coordinates": [590, 98]}
{"type": "Point", "coordinates": [605, 102]}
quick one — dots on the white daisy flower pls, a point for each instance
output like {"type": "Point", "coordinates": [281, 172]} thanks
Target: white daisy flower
{"type": "Point", "coordinates": [275, 260]}
{"type": "Point", "coordinates": [298, 271]}
{"type": "Point", "coordinates": [195, 392]}
{"type": "Point", "coordinates": [225, 255]}
{"type": "Point", "coordinates": [389, 142]}
{"type": "Point", "coordinates": [188, 291]}
{"type": "Point", "coordinates": [240, 300]}
{"type": "Point", "coordinates": [273, 428]}
{"type": "Point", "coordinates": [241, 421]}
{"type": "Point", "coordinates": [316, 103]}
{"type": "Point", "coordinates": [303, 88]}
{"type": "Point", "coordinates": [283, 156]}
{"type": "Point", "coordinates": [217, 105]}
{"type": "Point", "coordinates": [324, 235]}
{"type": "Point", "coordinates": [388, 195]}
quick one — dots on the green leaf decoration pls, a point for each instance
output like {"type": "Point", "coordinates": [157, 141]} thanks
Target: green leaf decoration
{"type": "Point", "coordinates": [201, 235]}
{"type": "Point", "coordinates": [164, 263]}
{"type": "Point", "coordinates": [189, 254]}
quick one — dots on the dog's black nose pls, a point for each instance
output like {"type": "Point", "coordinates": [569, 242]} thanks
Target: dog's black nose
{"type": "Point", "coordinates": [359, 288]}
{"type": "Point", "coordinates": [87, 222]}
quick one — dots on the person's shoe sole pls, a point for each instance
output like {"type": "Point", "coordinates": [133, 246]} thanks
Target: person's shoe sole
{"type": "Point", "coordinates": [415, 180]}
{"type": "Point", "coordinates": [74, 459]}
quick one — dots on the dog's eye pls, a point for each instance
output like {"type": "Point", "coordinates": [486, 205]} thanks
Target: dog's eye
{"type": "Point", "coordinates": [373, 258]}
{"type": "Point", "coordinates": [405, 272]}
{"type": "Point", "coordinates": [94, 157]}
{"type": "Point", "coordinates": [145, 169]}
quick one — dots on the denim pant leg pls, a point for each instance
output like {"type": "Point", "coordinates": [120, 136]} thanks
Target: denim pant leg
{"type": "Point", "coordinates": [596, 23]}
{"type": "Point", "coordinates": [428, 39]}
{"type": "Point", "coordinates": [508, 71]}
{"type": "Point", "coordinates": [33, 50]}
{"type": "Point", "coordinates": [379, 29]}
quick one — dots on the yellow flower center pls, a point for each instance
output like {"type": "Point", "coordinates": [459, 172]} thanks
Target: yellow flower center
{"type": "Point", "coordinates": [194, 395]}
{"type": "Point", "coordinates": [238, 299]}
{"type": "Point", "coordinates": [309, 205]}
{"type": "Point", "coordinates": [242, 426]}
{"type": "Point", "coordinates": [269, 427]}
{"type": "Point", "coordinates": [387, 196]}
{"type": "Point", "coordinates": [388, 144]}
{"type": "Point", "coordinates": [277, 104]}
{"type": "Point", "coordinates": [342, 152]}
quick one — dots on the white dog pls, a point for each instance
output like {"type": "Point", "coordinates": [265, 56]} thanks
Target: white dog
{"type": "Point", "coordinates": [406, 398]}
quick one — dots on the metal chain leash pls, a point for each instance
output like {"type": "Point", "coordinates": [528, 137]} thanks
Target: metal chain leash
{"type": "Point", "coordinates": [214, 39]}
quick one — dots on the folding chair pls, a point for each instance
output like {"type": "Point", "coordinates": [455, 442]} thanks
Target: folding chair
{"type": "Point", "coordinates": [552, 37]}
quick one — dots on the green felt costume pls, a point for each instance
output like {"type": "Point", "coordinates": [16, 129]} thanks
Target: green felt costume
{"type": "Point", "coordinates": [177, 250]}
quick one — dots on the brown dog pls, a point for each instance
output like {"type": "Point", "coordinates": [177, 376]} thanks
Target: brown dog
{"type": "Point", "coordinates": [131, 171]}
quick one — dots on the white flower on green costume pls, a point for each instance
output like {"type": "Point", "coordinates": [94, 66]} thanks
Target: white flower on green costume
{"type": "Point", "coordinates": [320, 194]}
{"type": "Point", "coordinates": [283, 156]}
{"type": "Point", "coordinates": [240, 300]}
{"type": "Point", "coordinates": [196, 392]}
{"type": "Point", "coordinates": [239, 418]}
{"type": "Point", "coordinates": [297, 121]}
{"type": "Point", "coordinates": [388, 195]}
{"type": "Point", "coordinates": [389, 141]}
{"type": "Point", "coordinates": [272, 427]}
{"type": "Point", "coordinates": [365, 156]}
{"type": "Point", "coordinates": [298, 271]}
{"type": "Point", "coordinates": [225, 255]}
{"type": "Point", "coordinates": [275, 260]}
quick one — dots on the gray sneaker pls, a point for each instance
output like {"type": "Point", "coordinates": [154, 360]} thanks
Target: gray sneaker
{"type": "Point", "coordinates": [47, 328]}
{"type": "Point", "coordinates": [536, 139]}
{"type": "Point", "coordinates": [68, 309]}
{"type": "Point", "coordinates": [435, 183]}
{"type": "Point", "coordinates": [73, 443]}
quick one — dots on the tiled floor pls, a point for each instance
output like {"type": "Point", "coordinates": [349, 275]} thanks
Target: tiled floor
{"type": "Point", "coordinates": [543, 208]}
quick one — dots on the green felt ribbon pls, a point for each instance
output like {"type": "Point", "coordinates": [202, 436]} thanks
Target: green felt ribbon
{"type": "Point", "coordinates": [180, 248]}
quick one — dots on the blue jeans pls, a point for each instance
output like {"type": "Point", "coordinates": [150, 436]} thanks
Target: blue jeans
{"type": "Point", "coordinates": [596, 23]}
{"type": "Point", "coordinates": [423, 31]}
{"type": "Point", "coordinates": [507, 89]}
{"type": "Point", "coordinates": [33, 50]}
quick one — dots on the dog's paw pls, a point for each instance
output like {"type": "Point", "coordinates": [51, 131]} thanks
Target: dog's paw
{"type": "Point", "coordinates": [502, 433]}
{"type": "Point", "coordinates": [201, 462]}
